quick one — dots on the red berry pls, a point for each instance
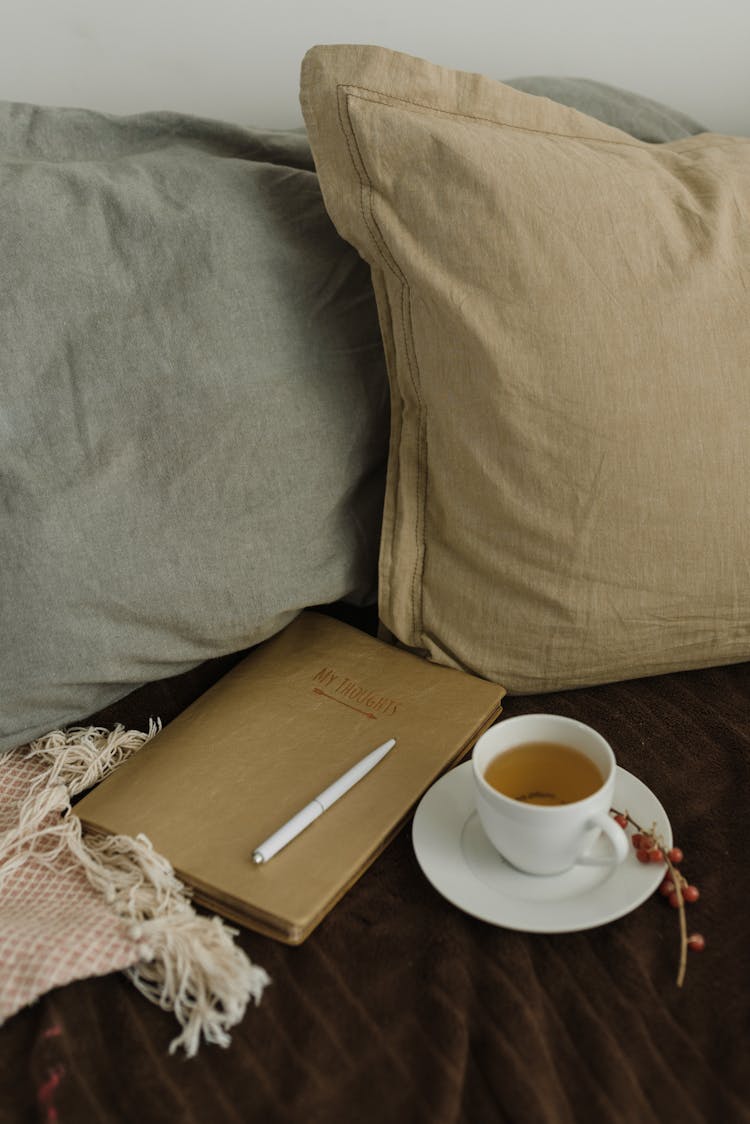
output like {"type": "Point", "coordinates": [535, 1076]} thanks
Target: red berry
{"type": "Point", "coordinates": [667, 887]}
{"type": "Point", "coordinates": [622, 820]}
{"type": "Point", "coordinates": [675, 855]}
{"type": "Point", "coordinates": [674, 901]}
{"type": "Point", "coordinates": [656, 856]}
{"type": "Point", "coordinates": [637, 840]}
{"type": "Point", "coordinates": [697, 942]}
{"type": "Point", "coordinates": [642, 856]}
{"type": "Point", "coordinates": [690, 893]}
{"type": "Point", "coordinates": [647, 842]}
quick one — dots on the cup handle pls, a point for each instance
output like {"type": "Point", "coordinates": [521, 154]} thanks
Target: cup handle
{"type": "Point", "coordinates": [616, 836]}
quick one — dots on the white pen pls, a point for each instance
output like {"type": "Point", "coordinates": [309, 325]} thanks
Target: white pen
{"type": "Point", "coordinates": [292, 828]}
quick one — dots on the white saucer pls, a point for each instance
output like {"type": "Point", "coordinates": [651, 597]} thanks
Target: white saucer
{"type": "Point", "coordinates": [463, 866]}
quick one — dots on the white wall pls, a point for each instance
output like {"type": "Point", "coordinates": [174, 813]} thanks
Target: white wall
{"type": "Point", "coordinates": [239, 59]}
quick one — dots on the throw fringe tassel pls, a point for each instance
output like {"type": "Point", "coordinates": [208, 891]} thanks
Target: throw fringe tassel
{"type": "Point", "coordinates": [189, 963]}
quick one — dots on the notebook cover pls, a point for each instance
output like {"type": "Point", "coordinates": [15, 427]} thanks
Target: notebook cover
{"type": "Point", "coordinates": [261, 743]}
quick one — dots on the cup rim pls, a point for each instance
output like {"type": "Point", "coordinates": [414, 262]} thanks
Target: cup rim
{"type": "Point", "coordinates": [534, 809]}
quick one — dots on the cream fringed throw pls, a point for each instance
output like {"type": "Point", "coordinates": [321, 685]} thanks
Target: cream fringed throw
{"type": "Point", "coordinates": [75, 905]}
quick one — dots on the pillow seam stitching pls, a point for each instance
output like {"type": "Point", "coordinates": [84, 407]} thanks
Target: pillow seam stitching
{"type": "Point", "coordinates": [362, 92]}
{"type": "Point", "coordinates": [381, 245]}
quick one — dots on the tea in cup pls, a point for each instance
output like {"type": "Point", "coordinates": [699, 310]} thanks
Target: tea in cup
{"type": "Point", "coordinates": [543, 788]}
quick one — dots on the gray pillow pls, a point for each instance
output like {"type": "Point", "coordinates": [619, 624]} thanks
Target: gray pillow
{"type": "Point", "coordinates": [193, 403]}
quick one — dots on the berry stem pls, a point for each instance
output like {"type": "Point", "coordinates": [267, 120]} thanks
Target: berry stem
{"type": "Point", "coordinates": [682, 968]}
{"type": "Point", "coordinates": [678, 880]}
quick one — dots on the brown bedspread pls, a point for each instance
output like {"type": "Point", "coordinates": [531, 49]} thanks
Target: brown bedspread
{"type": "Point", "coordinates": [400, 1008]}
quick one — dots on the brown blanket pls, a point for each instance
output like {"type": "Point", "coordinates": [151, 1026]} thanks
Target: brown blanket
{"type": "Point", "coordinates": [401, 1008]}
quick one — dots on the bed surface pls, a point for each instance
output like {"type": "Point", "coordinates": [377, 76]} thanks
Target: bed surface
{"type": "Point", "coordinates": [400, 1007]}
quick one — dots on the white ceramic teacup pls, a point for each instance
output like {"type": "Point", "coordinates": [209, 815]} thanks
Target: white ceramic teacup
{"type": "Point", "coordinates": [548, 839]}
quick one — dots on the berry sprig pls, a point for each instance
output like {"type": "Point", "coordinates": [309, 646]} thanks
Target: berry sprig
{"type": "Point", "coordinates": [650, 848]}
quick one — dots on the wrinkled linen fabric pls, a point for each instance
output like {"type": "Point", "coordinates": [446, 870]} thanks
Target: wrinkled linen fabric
{"type": "Point", "coordinates": [565, 315]}
{"type": "Point", "coordinates": [194, 408]}
{"type": "Point", "coordinates": [642, 117]}
{"type": "Point", "coordinates": [194, 398]}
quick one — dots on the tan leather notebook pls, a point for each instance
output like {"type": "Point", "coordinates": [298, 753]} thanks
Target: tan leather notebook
{"type": "Point", "coordinates": [289, 719]}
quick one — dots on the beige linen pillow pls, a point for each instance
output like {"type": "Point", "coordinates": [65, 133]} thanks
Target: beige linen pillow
{"type": "Point", "coordinates": [565, 313]}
